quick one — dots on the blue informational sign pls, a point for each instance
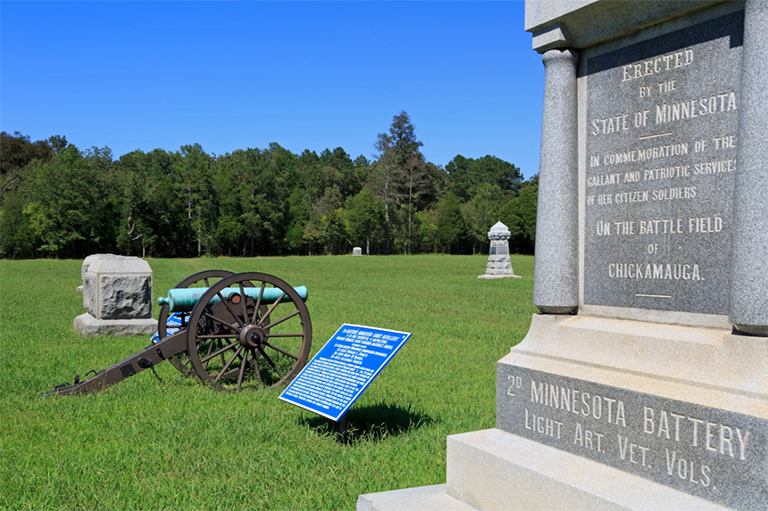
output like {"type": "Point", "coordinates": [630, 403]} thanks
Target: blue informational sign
{"type": "Point", "coordinates": [343, 369]}
{"type": "Point", "coordinates": [172, 326]}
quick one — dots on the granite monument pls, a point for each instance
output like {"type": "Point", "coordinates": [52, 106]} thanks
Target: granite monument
{"type": "Point", "coordinates": [642, 383]}
{"type": "Point", "coordinates": [499, 264]}
{"type": "Point", "coordinates": [117, 296]}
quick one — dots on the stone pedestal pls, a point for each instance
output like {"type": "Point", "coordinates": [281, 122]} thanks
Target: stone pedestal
{"type": "Point", "coordinates": [117, 295]}
{"type": "Point", "coordinates": [649, 408]}
{"type": "Point", "coordinates": [632, 389]}
{"type": "Point", "coordinates": [549, 451]}
{"type": "Point", "coordinates": [494, 470]}
{"type": "Point", "coordinates": [499, 264]}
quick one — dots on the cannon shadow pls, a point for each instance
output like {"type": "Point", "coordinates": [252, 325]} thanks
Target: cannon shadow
{"type": "Point", "coordinates": [373, 422]}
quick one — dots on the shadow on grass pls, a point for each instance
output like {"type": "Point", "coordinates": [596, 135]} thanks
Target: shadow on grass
{"type": "Point", "coordinates": [371, 423]}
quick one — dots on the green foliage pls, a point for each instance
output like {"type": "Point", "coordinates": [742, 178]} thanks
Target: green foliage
{"type": "Point", "coordinates": [402, 176]}
{"type": "Point", "coordinates": [141, 180]}
{"type": "Point", "coordinates": [145, 445]}
{"type": "Point", "coordinates": [18, 238]}
{"type": "Point", "coordinates": [16, 152]}
{"type": "Point", "coordinates": [365, 214]}
{"type": "Point", "coordinates": [466, 174]}
{"type": "Point", "coordinates": [295, 237]}
{"type": "Point", "coordinates": [191, 171]}
{"type": "Point", "coordinates": [480, 214]}
{"type": "Point", "coordinates": [58, 143]}
{"type": "Point", "coordinates": [58, 201]}
{"type": "Point", "coordinates": [450, 224]}
{"type": "Point", "coordinates": [427, 230]}
{"type": "Point", "coordinates": [334, 231]}
{"type": "Point", "coordinates": [67, 206]}
{"type": "Point", "coordinates": [298, 216]}
{"type": "Point", "coordinates": [229, 234]}
{"type": "Point", "coordinates": [519, 215]}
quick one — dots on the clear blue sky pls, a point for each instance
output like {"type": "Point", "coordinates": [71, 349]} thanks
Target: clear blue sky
{"type": "Point", "coordinates": [307, 75]}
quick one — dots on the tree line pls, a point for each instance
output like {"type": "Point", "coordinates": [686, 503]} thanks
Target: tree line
{"type": "Point", "coordinates": [59, 201]}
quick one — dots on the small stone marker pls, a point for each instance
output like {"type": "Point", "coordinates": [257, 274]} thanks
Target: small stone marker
{"type": "Point", "coordinates": [499, 264]}
{"type": "Point", "coordinates": [357, 251]}
{"type": "Point", "coordinates": [117, 295]}
{"type": "Point", "coordinates": [86, 264]}
{"type": "Point", "coordinates": [343, 369]}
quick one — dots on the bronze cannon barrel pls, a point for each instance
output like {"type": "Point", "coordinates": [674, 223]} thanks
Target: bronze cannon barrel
{"type": "Point", "coordinates": [184, 299]}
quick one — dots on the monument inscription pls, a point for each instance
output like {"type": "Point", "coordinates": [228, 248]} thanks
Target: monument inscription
{"type": "Point", "coordinates": [661, 143]}
{"type": "Point", "coordinates": [714, 454]}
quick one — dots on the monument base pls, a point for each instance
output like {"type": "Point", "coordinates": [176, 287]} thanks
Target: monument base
{"type": "Point", "coordinates": [675, 440]}
{"type": "Point", "coordinates": [494, 470]}
{"type": "Point", "coordinates": [489, 277]}
{"type": "Point", "coordinates": [423, 498]}
{"type": "Point", "coordinates": [707, 366]}
{"type": "Point", "coordinates": [88, 326]}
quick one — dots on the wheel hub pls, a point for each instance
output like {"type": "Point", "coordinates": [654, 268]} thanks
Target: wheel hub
{"type": "Point", "coordinates": [251, 336]}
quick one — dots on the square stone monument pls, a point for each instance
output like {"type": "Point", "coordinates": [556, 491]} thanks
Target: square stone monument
{"type": "Point", "coordinates": [117, 295]}
{"type": "Point", "coordinates": [643, 382]}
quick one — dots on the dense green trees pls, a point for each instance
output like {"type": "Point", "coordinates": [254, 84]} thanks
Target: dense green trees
{"type": "Point", "coordinates": [59, 201]}
{"type": "Point", "coordinates": [17, 152]}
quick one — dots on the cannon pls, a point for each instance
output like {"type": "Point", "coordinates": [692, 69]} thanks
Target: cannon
{"type": "Point", "coordinates": [237, 331]}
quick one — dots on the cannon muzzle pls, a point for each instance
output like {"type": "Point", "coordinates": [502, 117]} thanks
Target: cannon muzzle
{"type": "Point", "coordinates": [184, 299]}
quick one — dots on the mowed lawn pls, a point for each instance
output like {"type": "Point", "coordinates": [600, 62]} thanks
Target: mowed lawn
{"type": "Point", "coordinates": [143, 444]}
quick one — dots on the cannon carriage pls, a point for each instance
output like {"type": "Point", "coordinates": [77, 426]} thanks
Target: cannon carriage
{"type": "Point", "coordinates": [236, 332]}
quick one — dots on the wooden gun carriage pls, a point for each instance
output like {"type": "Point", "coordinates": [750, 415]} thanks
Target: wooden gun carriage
{"type": "Point", "coordinates": [237, 331]}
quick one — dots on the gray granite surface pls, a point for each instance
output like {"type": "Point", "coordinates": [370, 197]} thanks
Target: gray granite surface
{"type": "Point", "coordinates": [90, 260]}
{"type": "Point", "coordinates": [125, 296]}
{"type": "Point", "coordinates": [714, 454]}
{"type": "Point", "coordinates": [749, 256]}
{"type": "Point", "coordinates": [587, 22]}
{"type": "Point", "coordinates": [556, 263]}
{"type": "Point", "coordinates": [88, 326]}
{"type": "Point", "coordinates": [662, 124]}
{"type": "Point", "coordinates": [118, 287]}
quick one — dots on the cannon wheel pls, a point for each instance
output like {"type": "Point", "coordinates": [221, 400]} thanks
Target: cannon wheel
{"type": "Point", "coordinates": [201, 279]}
{"type": "Point", "coordinates": [231, 346]}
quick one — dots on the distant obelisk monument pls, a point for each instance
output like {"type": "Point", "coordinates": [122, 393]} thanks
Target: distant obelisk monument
{"type": "Point", "coordinates": [499, 264]}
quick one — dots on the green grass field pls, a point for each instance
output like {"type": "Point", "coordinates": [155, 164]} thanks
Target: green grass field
{"type": "Point", "coordinates": [143, 444]}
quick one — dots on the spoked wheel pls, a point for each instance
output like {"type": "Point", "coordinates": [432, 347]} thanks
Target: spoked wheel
{"type": "Point", "coordinates": [202, 279]}
{"type": "Point", "coordinates": [259, 339]}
